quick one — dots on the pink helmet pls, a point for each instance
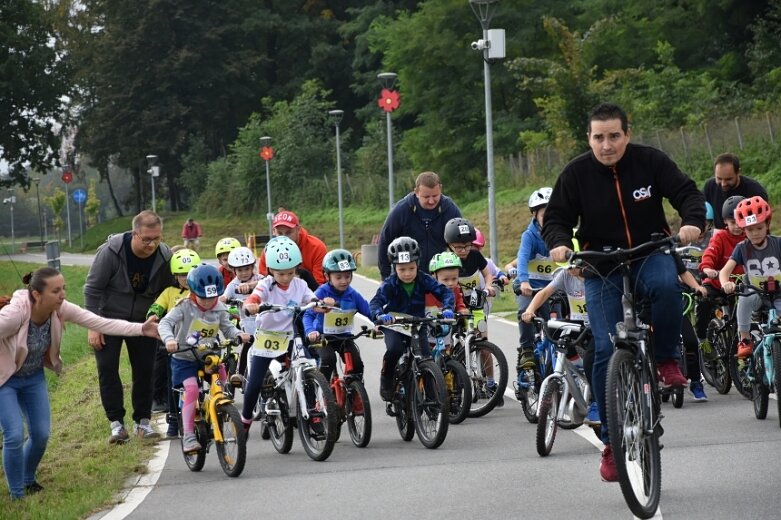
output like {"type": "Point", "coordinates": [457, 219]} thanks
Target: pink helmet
{"type": "Point", "coordinates": [479, 240]}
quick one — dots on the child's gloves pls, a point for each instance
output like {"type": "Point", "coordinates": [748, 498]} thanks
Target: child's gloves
{"type": "Point", "coordinates": [448, 314]}
{"type": "Point", "coordinates": [385, 319]}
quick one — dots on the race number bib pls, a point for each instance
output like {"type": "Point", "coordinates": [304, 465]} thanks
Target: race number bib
{"type": "Point", "coordinates": [577, 309]}
{"type": "Point", "coordinates": [338, 321]}
{"type": "Point", "coordinates": [541, 268]}
{"type": "Point", "coordinates": [692, 260]}
{"type": "Point", "coordinates": [469, 283]}
{"type": "Point", "coordinates": [270, 343]}
{"type": "Point", "coordinates": [204, 329]}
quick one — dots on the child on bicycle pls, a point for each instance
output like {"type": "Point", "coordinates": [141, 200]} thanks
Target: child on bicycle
{"type": "Point", "coordinates": [535, 271]}
{"type": "Point", "coordinates": [182, 262]}
{"type": "Point", "coordinates": [201, 315]}
{"type": "Point", "coordinates": [242, 261]}
{"type": "Point", "coordinates": [280, 287]}
{"type": "Point", "coordinates": [404, 291]}
{"type": "Point", "coordinates": [759, 255]}
{"type": "Point", "coordinates": [444, 267]}
{"type": "Point", "coordinates": [715, 256]}
{"type": "Point", "coordinates": [338, 267]}
{"type": "Point", "coordinates": [569, 280]}
{"type": "Point", "coordinates": [221, 250]}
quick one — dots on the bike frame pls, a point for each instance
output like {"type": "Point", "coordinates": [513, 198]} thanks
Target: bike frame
{"type": "Point", "coordinates": [770, 332]}
{"type": "Point", "coordinates": [564, 370]}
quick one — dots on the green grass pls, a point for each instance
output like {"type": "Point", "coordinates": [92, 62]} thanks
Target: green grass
{"type": "Point", "coordinates": [80, 470]}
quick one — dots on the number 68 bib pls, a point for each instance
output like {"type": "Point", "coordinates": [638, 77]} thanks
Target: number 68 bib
{"type": "Point", "coordinates": [338, 321]}
{"type": "Point", "coordinates": [270, 343]}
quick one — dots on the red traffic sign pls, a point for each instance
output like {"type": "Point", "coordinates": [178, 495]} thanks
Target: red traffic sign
{"type": "Point", "coordinates": [67, 177]}
{"type": "Point", "coordinates": [266, 153]}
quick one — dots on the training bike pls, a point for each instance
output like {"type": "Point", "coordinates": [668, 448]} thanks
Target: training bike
{"type": "Point", "coordinates": [420, 400]}
{"type": "Point", "coordinates": [632, 392]}
{"type": "Point", "coordinates": [352, 400]}
{"type": "Point", "coordinates": [295, 393]}
{"type": "Point", "coordinates": [565, 394]}
{"type": "Point", "coordinates": [217, 421]}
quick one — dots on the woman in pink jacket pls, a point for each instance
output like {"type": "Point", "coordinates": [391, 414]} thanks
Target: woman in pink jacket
{"type": "Point", "coordinates": [31, 328]}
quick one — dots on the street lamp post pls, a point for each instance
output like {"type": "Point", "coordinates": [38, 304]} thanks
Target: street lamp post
{"type": "Point", "coordinates": [153, 171]}
{"type": "Point", "coordinates": [492, 47]}
{"type": "Point", "coordinates": [11, 201]}
{"type": "Point", "coordinates": [267, 153]}
{"type": "Point", "coordinates": [389, 101]}
{"type": "Point", "coordinates": [37, 181]}
{"type": "Point", "coordinates": [336, 117]}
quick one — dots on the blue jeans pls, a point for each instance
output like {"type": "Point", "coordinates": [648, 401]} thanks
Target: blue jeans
{"type": "Point", "coordinates": [24, 399]}
{"type": "Point", "coordinates": [654, 278]}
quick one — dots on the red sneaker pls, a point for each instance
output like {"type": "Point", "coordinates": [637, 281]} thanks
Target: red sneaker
{"type": "Point", "coordinates": [745, 348]}
{"type": "Point", "coordinates": [670, 374]}
{"type": "Point", "coordinates": [607, 466]}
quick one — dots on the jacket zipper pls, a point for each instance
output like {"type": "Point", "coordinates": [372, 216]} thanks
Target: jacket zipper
{"type": "Point", "coordinates": [621, 204]}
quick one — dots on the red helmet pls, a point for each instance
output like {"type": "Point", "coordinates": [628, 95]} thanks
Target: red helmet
{"type": "Point", "coordinates": [752, 211]}
{"type": "Point", "coordinates": [479, 240]}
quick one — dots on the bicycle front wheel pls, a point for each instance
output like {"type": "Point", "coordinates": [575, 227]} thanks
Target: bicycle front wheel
{"type": "Point", "coordinates": [277, 419]}
{"type": "Point", "coordinates": [636, 451]}
{"type": "Point", "coordinates": [232, 451]}
{"type": "Point", "coordinates": [318, 431]}
{"type": "Point", "coordinates": [487, 368]}
{"type": "Point", "coordinates": [777, 374]}
{"type": "Point", "coordinates": [430, 405]}
{"type": "Point", "coordinates": [738, 370]}
{"type": "Point", "coordinates": [459, 390]}
{"type": "Point", "coordinates": [549, 410]}
{"type": "Point", "coordinates": [195, 459]}
{"type": "Point", "coordinates": [402, 410]}
{"type": "Point", "coordinates": [714, 366]}
{"type": "Point", "coordinates": [359, 414]}
{"type": "Point", "coordinates": [759, 389]}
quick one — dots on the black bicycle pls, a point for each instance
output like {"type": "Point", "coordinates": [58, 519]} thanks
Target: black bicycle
{"type": "Point", "coordinates": [632, 393]}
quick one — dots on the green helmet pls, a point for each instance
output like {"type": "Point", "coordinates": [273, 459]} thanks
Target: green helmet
{"type": "Point", "coordinates": [226, 245]}
{"type": "Point", "coordinates": [444, 260]}
{"type": "Point", "coordinates": [183, 261]}
{"type": "Point", "coordinates": [338, 261]}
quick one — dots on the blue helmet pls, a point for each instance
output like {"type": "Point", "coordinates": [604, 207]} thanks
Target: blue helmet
{"type": "Point", "coordinates": [708, 211]}
{"type": "Point", "coordinates": [205, 281]}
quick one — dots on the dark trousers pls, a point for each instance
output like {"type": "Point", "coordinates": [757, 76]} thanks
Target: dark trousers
{"type": "Point", "coordinates": [141, 352]}
{"type": "Point", "coordinates": [328, 357]}
{"type": "Point", "coordinates": [395, 345]}
{"type": "Point", "coordinates": [704, 311]}
{"type": "Point", "coordinates": [161, 383]}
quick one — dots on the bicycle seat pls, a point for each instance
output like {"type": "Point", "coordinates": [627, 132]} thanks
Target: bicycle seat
{"type": "Point", "coordinates": [560, 330]}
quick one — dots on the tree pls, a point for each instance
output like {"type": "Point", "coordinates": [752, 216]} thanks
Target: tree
{"type": "Point", "coordinates": [92, 207]}
{"type": "Point", "coordinates": [32, 81]}
{"type": "Point", "coordinates": [57, 202]}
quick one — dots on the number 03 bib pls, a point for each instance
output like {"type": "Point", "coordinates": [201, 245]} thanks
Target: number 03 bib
{"type": "Point", "coordinates": [270, 343]}
{"type": "Point", "coordinates": [338, 321]}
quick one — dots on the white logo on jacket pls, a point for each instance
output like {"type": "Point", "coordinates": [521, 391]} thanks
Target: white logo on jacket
{"type": "Point", "coordinates": [642, 193]}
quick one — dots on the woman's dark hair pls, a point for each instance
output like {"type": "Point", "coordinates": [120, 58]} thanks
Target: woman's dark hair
{"type": "Point", "coordinates": [36, 280]}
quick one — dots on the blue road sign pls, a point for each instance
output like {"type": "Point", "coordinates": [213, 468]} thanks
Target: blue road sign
{"type": "Point", "coordinates": [79, 196]}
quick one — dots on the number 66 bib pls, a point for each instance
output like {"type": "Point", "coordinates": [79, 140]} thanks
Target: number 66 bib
{"type": "Point", "coordinates": [338, 321]}
{"type": "Point", "coordinates": [270, 343]}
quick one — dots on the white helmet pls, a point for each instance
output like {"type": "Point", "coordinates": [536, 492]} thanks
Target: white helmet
{"type": "Point", "coordinates": [240, 257]}
{"type": "Point", "coordinates": [540, 198]}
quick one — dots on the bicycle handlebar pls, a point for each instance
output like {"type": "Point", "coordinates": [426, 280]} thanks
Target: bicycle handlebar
{"type": "Point", "coordinates": [334, 338]}
{"type": "Point", "coordinates": [297, 309]}
{"type": "Point", "coordinates": [566, 340]}
{"type": "Point", "coordinates": [580, 258]}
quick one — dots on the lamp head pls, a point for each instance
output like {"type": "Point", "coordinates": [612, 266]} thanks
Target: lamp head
{"type": "Point", "coordinates": [265, 141]}
{"type": "Point", "coordinates": [387, 79]}
{"type": "Point", "coordinates": [151, 160]}
{"type": "Point", "coordinates": [336, 116]}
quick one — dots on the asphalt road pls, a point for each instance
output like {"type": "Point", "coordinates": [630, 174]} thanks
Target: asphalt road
{"type": "Point", "coordinates": [718, 461]}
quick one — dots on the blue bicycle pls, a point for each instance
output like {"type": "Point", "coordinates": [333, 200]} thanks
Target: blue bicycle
{"type": "Point", "coordinates": [763, 367]}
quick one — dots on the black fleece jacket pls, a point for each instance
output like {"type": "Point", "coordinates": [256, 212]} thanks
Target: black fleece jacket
{"type": "Point", "coordinates": [619, 206]}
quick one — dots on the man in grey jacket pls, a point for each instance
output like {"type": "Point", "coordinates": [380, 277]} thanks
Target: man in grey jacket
{"type": "Point", "coordinates": [129, 272]}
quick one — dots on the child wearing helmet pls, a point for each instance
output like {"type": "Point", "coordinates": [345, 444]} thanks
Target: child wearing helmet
{"type": "Point", "coordinates": [182, 261]}
{"type": "Point", "coordinates": [404, 291]}
{"type": "Point", "coordinates": [444, 267]}
{"type": "Point", "coordinates": [715, 256]}
{"type": "Point", "coordinates": [221, 250]}
{"type": "Point", "coordinates": [473, 274]}
{"type": "Point", "coordinates": [338, 268]}
{"type": "Point", "coordinates": [281, 287]}
{"type": "Point", "coordinates": [535, 271]}
{"type": "Point", "coordinates": [201, 315]}
{"type": "Point", "coordinates": [759, 254]}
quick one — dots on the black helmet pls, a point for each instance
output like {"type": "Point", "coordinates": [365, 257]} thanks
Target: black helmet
{"type": "Point", "coordinates": [403, 250]}
{"type": "Point", "coordinates": [728, 209]}
{"type": "Point", "coordinates": [459, 230]}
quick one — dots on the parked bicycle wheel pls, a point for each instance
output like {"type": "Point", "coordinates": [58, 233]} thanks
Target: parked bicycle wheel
{"type": "Point", "coordinates": [636, 454]}
{"type": "Point", "coordinates": [487, 367]}
{"type": "Point", "coordinates": [459, 390]}
{"type": "Point", "coordinates": [232, 451]}
{"type": "Point", "coordinates": [318, 432]}
{"type": "Point", "coordinates": [430, 405]}
{"type": "Point", "coordinates": [359, 414]}
{"type": "Point", "coordinates": [549, 409]}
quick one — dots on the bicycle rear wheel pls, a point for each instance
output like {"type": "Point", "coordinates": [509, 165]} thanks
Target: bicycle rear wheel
{"type": "Point", "coordinates": [777, 374]}
{"type": "Point", "coordinates": [549, 410]}
{"type": "Point", "coordinates": [430, 405]}
{"type": "Point", "coordinates": [232, 451]}
{"type": "Point", "coordinates": [529, 382]}
{"type": "Point", "coordinates": [487, 368]}
{"type": "Point", "coordinates": [318, 431]}
{"type": "Point", "coordinates": [359, 414]}
{"type": "Point", "coordinates": [459, 390]}
{"type": "Point", "coordinates": [636, 452]}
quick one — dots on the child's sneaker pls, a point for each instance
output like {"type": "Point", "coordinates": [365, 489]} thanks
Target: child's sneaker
{"type": "Point", "coordinates": [118, 433]}
{"type": "Point", "coordinates": [670, 374]}
{"type": "Point", "coordinates": [697, 391]}
{"type": "Point", "coordinates": [745, 348]}
{"type": "Point", "coordinates": [144, 430]}
{"type": "Point", "coordinates": [592, 417]}
{"type": "Point", "coordinates": [607, 466]}
{"type": "Point", "coordinates": [190, 443]}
